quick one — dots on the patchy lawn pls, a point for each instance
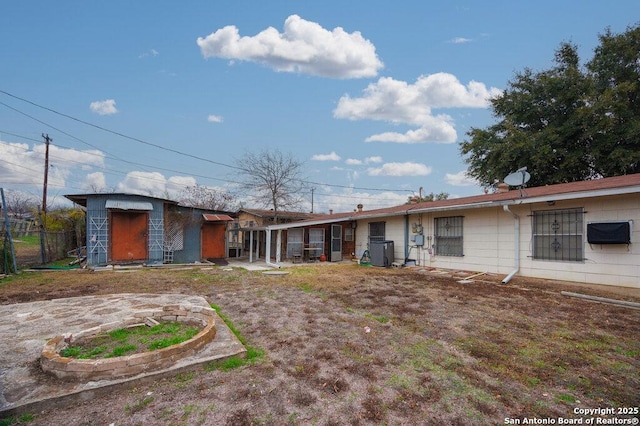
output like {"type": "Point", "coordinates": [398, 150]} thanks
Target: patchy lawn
{"type": "Point", "coordinates": [346, 344]}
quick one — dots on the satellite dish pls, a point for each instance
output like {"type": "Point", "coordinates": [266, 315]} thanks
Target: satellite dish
{"type": "Point", "coordinates": [518, 178]}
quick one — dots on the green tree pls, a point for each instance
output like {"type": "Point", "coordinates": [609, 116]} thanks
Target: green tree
{"type": "Point", "coordinates": [560, 122]}
{"type": "Point", "coordinates": [429, 197]}
{"type": "Point", "coordinates": [615, 129]}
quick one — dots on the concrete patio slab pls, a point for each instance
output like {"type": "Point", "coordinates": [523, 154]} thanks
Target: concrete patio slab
{"type": "Point", "coordinates": [26, 327]}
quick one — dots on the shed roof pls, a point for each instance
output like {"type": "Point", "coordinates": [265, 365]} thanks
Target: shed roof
{"type": "Point", "coordinates": [81, 199]}
{"type": "Point", "coordinates": [128, 205]}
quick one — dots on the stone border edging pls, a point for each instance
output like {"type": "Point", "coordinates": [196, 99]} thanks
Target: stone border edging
{"type": "Point", "coordinates": [108, 368]}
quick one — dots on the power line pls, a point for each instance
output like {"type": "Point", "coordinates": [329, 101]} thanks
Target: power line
{"type": "Point", "coordinates": [120, 134]}
{"type": "Point", "coordinates": [162, 147]}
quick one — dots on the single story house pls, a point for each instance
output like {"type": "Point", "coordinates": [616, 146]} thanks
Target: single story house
{"type": "Point", "coordinates": [131, 228]}
{"type": "Point", "coordinates": [580, 231]}
{"type": "Point", "coordinates": [248, 231]}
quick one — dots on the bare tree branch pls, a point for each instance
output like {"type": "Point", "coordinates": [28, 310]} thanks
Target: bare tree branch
{"type": "Point", "coordinates": [273, 179]}
{"type": "Point", "coordinates": [207, 198]}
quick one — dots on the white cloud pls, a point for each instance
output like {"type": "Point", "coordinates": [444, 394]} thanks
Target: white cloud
{"type": "Point", "coordinates": [400, 169]}
{"type": "Point", "coordinates": [155, 184]}
{"type": "Point", "coordinates": [214, 119]}
{"type": "Point", "coordinates": [94, 182]}
{"type": "Point", "coordinates": [304, 46]}
{"type": "Point", "coordinates": [399, 102]}
{"type": "Point", "coordinates": [150, 53]}
{"type": "Point", "coordinates": [22, 165]}
{"type": "Point", "coordinates": [439, 129]}
{"type": "Point", "coordinates": [460, 40]}
{"type": "Point", "coordinates": [347, 200]}
{"type": "Point", "coordinates": [326, 157]}
{"type": "Point", "coordinates": [368, 160]}
{"type": "Point", "coordinates": [106, 107]}
{"type": "Point", "coordinates": [460, 179]}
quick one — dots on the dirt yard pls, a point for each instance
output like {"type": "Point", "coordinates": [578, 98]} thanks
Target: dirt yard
{"type": "Point", "coordinates": [354, 345]}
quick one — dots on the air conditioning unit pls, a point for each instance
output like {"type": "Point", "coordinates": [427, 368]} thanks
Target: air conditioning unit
{"type": "Point", "coordinates": [382, 253]}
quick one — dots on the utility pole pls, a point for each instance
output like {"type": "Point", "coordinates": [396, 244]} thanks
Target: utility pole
{"type": "Point", "coordinates": [312, 190]}
{"type": "Point", "coordinates": [43, 251]}
{"type": "Point", "coordinates": [47, 139]}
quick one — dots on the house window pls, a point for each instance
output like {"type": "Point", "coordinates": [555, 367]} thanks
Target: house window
{"type": "Point", "coordinates": [376, 231]}
{"type": "Point", "coordinates": [348, 234]}
{"type": "Point", "coordinates": [448, 236]}
{"type": "Point", "coordinates": [294, 242]}
{"type": "Point", "coordinates": [558, 234]}
{"type": "Point", "coordinates": [316, 238]}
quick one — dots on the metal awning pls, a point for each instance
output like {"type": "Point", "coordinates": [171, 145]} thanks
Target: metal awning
{"type": "Point", "coordinates": [128, 205]}
{"type": "Point", "coordinates": [217, 217]}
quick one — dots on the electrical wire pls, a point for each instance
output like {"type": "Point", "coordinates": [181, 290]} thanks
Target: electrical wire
{"type": "Point", "coordinates": [159, 146]}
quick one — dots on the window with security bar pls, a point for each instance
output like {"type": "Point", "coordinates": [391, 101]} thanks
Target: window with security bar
{"type": "Point", "coordinates": [558, 234]}
{"type": "Point", "coordinates": [448, 236]}
{"type": "Point", "coordinates": [376, 231]}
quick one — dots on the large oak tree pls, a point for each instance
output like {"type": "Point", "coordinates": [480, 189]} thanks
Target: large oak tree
{"type": "Point", "coordinates": [567, 123]}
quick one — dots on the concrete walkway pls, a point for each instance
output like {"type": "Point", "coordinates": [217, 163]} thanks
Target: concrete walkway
{"type": "Point", "coordinates": [25, 328]}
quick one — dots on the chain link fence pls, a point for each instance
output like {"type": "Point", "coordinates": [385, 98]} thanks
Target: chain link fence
{"type": "Point", "coordinates": [33, 250]}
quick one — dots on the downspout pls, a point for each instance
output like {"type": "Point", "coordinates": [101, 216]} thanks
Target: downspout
{"type": "Point", "coordinates": [516, 242]}
{"type": "Point", "coordinates": [406, 237]}
{"type": "Point", "coordinates": [267, 255]}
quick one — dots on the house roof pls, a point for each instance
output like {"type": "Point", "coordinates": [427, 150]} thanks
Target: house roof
{"type": "Point", "coordinates": [627, 184]}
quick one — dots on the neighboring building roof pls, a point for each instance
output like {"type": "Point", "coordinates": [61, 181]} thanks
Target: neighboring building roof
{"type": "Point", "coordinates": [627, 184]}
{"type": "Point", "coordinates": [217, 217]}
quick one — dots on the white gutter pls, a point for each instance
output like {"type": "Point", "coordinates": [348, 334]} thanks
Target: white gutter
{"type": "Point", "coordinates": [516, 243]}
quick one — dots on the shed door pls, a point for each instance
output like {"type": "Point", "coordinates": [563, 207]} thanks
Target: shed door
{"type": "Point", "coordinates": [336, 243]}
{"type": "Point", "coordinates": [212, 239]}
{"type": "Point", "coordinates": [129, 235]}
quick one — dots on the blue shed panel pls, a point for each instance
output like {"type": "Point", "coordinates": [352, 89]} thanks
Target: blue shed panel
{"type": "Point", "coordinates": [98, 226]}
{"type": "Point", "coordinates": [192, 250]}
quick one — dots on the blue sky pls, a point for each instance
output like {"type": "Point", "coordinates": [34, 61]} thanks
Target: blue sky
{"type": "Point", "coordinates": [374, 97]}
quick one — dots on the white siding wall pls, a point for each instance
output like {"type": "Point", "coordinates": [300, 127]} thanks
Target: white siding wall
{"type": "Point", "coordinates": [487, 241]}
{"type": "Point", "coordinates": [394, 231]}
{"type": "Point", "coordinates": [614, 264]}
{"type": "Point", "coordinates": [489, 237]}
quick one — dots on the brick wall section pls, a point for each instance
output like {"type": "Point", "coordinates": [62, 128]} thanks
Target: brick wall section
{"type": "Point", "coordinates": [99, 369]}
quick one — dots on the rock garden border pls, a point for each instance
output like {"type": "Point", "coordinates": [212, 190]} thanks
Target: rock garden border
{"type": "Point", "coordinates": [130, 365]}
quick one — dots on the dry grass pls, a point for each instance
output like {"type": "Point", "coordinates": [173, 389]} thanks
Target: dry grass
{"type": "Point", "coordinates": [353, 345]}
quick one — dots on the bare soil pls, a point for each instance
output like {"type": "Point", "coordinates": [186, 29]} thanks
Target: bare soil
{"type": "Point", "coordinates": [354, 345]}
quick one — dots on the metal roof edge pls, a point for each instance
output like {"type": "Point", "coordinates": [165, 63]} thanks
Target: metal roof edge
{"type": "Point", "coordinates": [303, 223]}
{"type": "Point", "coordinates": [531, 200]}
{"type": "Point", "coordinates": [592, 193]}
